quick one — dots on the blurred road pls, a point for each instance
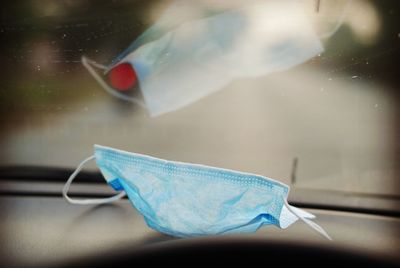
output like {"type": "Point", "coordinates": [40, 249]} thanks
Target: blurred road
{"type": "Point", "coordinates": [341, 130]}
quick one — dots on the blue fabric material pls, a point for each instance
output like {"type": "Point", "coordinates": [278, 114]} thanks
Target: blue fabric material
{"type": "Point", "coordinates": [116, 185]}
{"type": "Point", "coordinates": [183, 200]}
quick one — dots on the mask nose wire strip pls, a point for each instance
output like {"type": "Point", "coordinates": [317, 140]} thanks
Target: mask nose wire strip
{"type": "Point", "coordinates": [310, 223]}
{"type": "Point", "coordinates": [87, 201]}
{"type": "Point", "coordinates": [89, 66]}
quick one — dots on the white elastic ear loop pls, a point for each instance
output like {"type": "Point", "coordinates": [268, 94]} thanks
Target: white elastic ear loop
{"type": "Point", "coordinates": [87, 201]}
{"type": "Point", "coordinates": [338, 23]}
{"type": "Point", "coordinates": [88, 65]}
{"type": "Point", "coordinates": [310, 223]}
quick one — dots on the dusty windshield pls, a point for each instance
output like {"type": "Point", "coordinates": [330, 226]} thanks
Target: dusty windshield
{"type": "Point", "coordinates": [328, 120]}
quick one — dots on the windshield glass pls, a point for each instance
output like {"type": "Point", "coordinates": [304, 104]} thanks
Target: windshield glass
{"type": "Point", "coordinates": [330, 122]}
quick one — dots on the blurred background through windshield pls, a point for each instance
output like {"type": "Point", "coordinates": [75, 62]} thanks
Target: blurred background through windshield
{"type": "Point", "coordinates": [335, 117]}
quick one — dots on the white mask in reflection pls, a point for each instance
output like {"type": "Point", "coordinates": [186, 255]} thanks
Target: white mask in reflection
{"type": "Point", "coordinates": [179, 61]}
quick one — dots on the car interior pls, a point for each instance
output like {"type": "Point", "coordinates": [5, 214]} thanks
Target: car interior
{"type": "Point", "coordinates": [303, 92]}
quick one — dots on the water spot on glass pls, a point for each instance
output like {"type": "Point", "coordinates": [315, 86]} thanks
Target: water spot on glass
{"type": "Point", "coordinates": [330, 79]}
{"type": "Point", "coordinates": [354, 77]}
{"type": "Point", "coordinates": [376, 105]}
{"type": "Point", "coordinates": [322, 89]}
{"type": "Point", "coordinates": [63, 36]}
{"type": "Point", "coordinates": [38, 67]}
{"type": "Point", "coordinates": [367, 63]}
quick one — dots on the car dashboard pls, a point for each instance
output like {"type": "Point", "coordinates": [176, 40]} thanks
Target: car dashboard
{"type": "Point", "coordinates": [39, 228]}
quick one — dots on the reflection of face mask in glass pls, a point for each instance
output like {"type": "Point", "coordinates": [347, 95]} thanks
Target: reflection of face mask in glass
{"type": "Point", "coordinates": [177, 62]}
{"type": "Point", "coordinates": [182, 199]}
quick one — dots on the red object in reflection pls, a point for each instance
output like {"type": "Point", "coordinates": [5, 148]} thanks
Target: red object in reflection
{"type": "Point", "coordinates": [122, 77]}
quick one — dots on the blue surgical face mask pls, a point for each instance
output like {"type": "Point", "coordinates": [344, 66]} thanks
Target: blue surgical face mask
{"type": "Point", "coordinates": [185, 200]}
{"type": "Point", "coordinates": [192, 52]}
